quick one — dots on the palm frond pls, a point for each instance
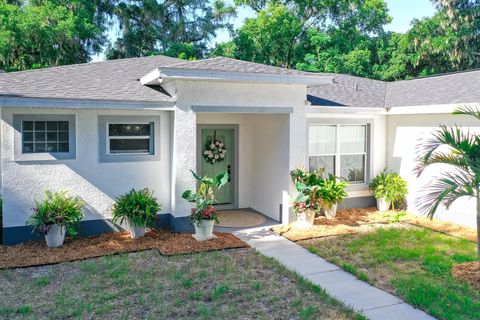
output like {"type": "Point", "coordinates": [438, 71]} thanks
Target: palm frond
{"type": "Point", "coordinates": [447, 188]}
{"type": "Point", "coordinates": [460, 142]}
{"type": "Point", "coordinates": [469, 110]}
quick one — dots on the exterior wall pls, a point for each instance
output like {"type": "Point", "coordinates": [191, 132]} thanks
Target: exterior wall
{"type": "Point", "coordinates": [378, 144]}
{"type": "Point", "coordinates": [96, 183]}
{"type": "Point", "coordinates": [404, 134]}
{"type": "Point", "coordinates": [218, 94]}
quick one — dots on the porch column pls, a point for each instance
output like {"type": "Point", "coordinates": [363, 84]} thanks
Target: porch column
{"type": "Point", "coordinates": [298, 151]}
{"type": "Point", "coordinates": [184, 159]}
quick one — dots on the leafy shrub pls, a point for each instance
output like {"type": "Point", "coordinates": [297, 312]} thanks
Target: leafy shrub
{"type": "Point", "coordinates": [57, 208]}
{"type": "Point", "coordinates": [137, 207]}
{"type": "Point", "coordinates": [389, 185]}
{"type": "Point", "coordinates": [205, 197]}
{"type": "Point", "coordinates": [315, 191]}
{"type": "Point", "coordinates": [332, 191]}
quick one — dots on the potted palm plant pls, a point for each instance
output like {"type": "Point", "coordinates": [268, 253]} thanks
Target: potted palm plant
{"type": "Point", "coordinates": [332, 191]}
{"type": "Point", "coordinates": [56, 215]}
{"type": "Point", "coordinates": [388, 188]}
{"type": "Point", "coordinates": [204, 215]}
{"type": "Point", "coordinates": [138, 210]}
{"type": "Point", "coordinates": [308, 201]}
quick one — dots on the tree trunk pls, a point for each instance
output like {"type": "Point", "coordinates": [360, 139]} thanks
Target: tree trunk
{"type": "Point", "coordinates": [478, 226]}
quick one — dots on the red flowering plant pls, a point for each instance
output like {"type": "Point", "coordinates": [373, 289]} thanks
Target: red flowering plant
{"type": "Point", "coordinates": [204, 198]}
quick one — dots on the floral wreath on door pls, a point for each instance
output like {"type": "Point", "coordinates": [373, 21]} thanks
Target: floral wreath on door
{"type": "Point", "coordinates": [215, 150]}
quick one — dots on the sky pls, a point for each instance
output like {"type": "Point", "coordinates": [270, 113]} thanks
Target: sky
{"type": "Point", "coordinates": [402, 11]}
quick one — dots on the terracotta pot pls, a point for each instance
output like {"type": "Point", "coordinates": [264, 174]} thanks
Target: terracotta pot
{"type": "Point", "coordinates": [135, 232]}
{"type": "Point", "coordinates": [306, 218]}
{"type": "Point", "coordinates": [204, 229]}
{"type": "Point", "coordinates": [383, 204]}
{"type": "Point", "coordinates": [331, 212]}
{"type": "Point", "coordinates": [55, 236]}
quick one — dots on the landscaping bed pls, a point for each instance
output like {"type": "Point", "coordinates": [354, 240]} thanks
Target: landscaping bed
{"type": "Point", "coordinates": [233, 284]}
{"type": "Point", "coordinates": [415, 263]}
{"type": "Point", "coordinates": [354, 221]}
{"type": "Point", "coordinates": [36, 253]}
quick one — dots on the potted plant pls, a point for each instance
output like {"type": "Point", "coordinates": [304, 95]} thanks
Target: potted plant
{"type": "Point", "coordinates": [332, 192]}
{"type": "Point", "coordinates": [308, 201]}
{"type": "Point", "coordinates": [137, 209]}
{"type": "Point", "coordinates": [56, 215]}
{"type": "Point", "coordinates": [204, 214]}
{"type": "Point", "coordinates": [388, 188]}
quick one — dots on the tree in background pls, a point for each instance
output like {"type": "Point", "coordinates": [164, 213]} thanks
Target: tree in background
{"type": "Point", "coordinates": [43, 33]}
{"type": "Point", "coordinates": [180, 28]}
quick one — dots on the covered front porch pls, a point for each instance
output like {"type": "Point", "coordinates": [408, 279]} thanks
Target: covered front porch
{"type": "Point", "coordinates": [257, 152]}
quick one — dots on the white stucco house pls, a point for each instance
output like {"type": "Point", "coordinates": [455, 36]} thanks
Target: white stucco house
{"type": "Point", "coordinates": [100, 129]}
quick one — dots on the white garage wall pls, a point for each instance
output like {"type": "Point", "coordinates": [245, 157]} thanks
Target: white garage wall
{"type": "Point", "coordinates": [404, 134]}
{"type": "Point", "coordinates": [97, 183]}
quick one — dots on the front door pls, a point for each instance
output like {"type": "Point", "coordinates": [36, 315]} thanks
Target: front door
{"type": "Point", "coordinates": [214, 161]}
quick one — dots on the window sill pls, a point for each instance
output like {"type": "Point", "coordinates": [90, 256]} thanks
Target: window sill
{"type": "Point", "coordinates": [358, 187]}
{"type": "Point", "coordinates": [43, 157]}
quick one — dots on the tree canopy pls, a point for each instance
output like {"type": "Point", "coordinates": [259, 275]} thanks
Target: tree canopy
{"type": "Point", "coordinates": [346, 36]}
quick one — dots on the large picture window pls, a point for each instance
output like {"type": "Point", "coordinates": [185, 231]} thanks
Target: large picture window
{"type": "Point", "coordinates": [340, 149]}
{"type": "Point", "coordinates": [129, 138]}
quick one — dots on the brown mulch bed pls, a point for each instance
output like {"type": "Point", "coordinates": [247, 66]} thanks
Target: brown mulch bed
{"type": "Point", "coordinates": [354, 221]}
{"type": "Point", "coordinates": [36, 253]}
{"type": "Point", "coordinates": [468, 272]}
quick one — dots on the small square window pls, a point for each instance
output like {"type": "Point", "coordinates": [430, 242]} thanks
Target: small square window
{"type": "Point", "coordinates": [45, 136]}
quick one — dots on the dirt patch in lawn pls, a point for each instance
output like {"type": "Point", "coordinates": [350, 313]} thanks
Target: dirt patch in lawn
{"type": "Point", "coordinates": [468, 272]}
{"type": "Point", "coordinates": [354, 221]}
{"type": "Point", "coordinates": [36, 253]}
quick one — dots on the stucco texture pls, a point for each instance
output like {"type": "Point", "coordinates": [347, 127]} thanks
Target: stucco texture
{"type": "Point", "coordinates": [98, 184]}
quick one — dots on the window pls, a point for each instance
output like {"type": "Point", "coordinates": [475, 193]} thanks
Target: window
{"type": "Point", "coordinates": [340, 149]}
{"type": "Point", "coordinates": [45, 136]}
{"type": "Point", "coordinates": [130, 138]}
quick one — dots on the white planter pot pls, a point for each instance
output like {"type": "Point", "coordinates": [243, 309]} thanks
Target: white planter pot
{"type": "Point", "coordinates": [135, 232]}
{"type": "Point", "coordinates": [383, 204]}
{"type": "Point", "coordinates": [204, 229]}
{"type": "Point", "coordinates": [55, 236]}
{"type": "Point", "coordinates": [305, 218]}
{"type": "Point", "coordinates": [331, 212]}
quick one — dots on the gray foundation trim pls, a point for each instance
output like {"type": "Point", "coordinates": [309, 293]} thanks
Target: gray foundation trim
{"type": "Point", "coordinates": [102, 136]}
{"type": "Point", "coordinates": [358, 202]}
{"type": "Point", "coordinates": [209, 109]}
{"type": "Point", "coordinates": [19, 234]}
{"type": "Point", "coordinates": [45, 156]}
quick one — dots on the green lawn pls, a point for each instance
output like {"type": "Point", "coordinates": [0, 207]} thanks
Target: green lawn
{"type": "Point", "coordinates": [218, 285]}
{"type": "Point", "coordinates": [413, 263]}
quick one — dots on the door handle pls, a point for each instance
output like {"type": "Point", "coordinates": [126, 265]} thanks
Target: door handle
{"type": "Point", "coordinates": [229, 172]}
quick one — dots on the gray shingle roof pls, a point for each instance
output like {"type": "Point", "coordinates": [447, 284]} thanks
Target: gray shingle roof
{"type": "Point", "coordinates": [117, 80]}
{"type": "Point", "coordinates": [461, 87]}
{"type": "Point", "coordinates": [349, 91]}
{"type": "Point", "coordinates": [106, 80]}
{"type": "Point", "coordinates": [234, 65]}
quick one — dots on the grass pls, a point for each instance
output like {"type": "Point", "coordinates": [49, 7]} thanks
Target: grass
{"type": "Point", "coordinates": [411, 262]}
{"type": "Point", "coordinates": [217, 285]}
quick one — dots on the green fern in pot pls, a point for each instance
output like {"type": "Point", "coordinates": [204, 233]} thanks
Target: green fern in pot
{"type": "Point", "coordinates": [138, 210]}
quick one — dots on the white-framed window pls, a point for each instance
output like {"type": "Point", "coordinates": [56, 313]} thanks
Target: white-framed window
{"type": "Point", "coordinates": [341, 149]}
{"type": "Point", "coordinates": [129, 138]}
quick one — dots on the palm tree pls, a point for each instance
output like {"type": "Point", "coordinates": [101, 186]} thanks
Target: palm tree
{"type": "Point", "coordinates": [459, 149]}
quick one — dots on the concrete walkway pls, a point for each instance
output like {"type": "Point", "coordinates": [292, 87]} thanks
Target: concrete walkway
{"type": "Point", "coordinates": [362, 297]}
